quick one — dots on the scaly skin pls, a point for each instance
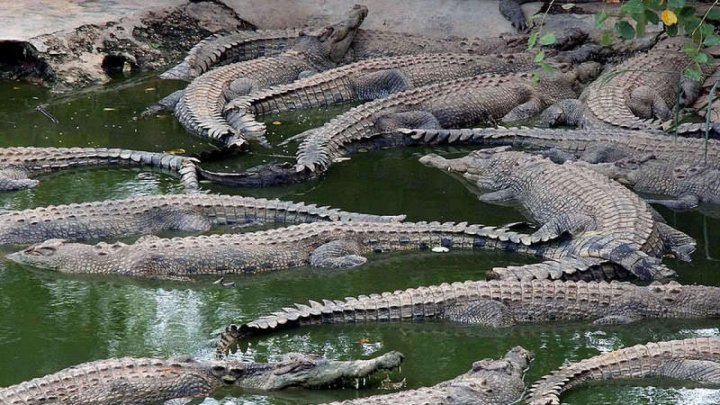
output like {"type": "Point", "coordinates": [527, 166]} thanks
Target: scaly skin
{"type": "Point", "coordinates": [221, 49]}
{"type": "Point", "coordinates": [512, 11]}
{"type": "Point", "coordinates": [593, 146]}
{"type": "Point", "coordinates": [366, 80]}
{"type": "Point", "coordinates": [18, 164]}
{"type": "Point", "coordinates": [199, 109]}
{"type": "Point", "coordinates": [497, 303]}
{"type": "Point", "coordinates": [487, 382]}
{"type": "Point", "coordinates": [139, 381]}
{"type": "Point", "coordinates": [696, 359]}
{"type": "Point", "coordinates": [570, 198]}
{"type": "Point", "coordinates": [148, 215]}
{"type": "Point", "coordinates": [327, 245]}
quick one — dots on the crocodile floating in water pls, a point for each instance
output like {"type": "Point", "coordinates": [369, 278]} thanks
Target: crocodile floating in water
{"type": "Point", "coordinates": [19, 164]}
{"type": "Point", "coordinates": [366, 80]}
{"type": "Point", "coordinates": [139, 381]}
{"type": "Point", "coordinates": [637, 94]}
{"type": "Point", "coordinates": [572, 199]}
{"type": "Point", "coordinates": [199, 109]}
{"type": "Point", "coordinates": [152, 214]}
{"type": "Point", "coordinates": [593, 146]}
{"type": "Point", "coordinates": [329, 245]}
{"type": "Point", "coordinates": [461, 102]}
{"type": "Point", "coordinates": [489, 381]}
{"type": "Point", "coordinates": [497, 303]}
{"type": "Point", "coordinates": [696, 359]}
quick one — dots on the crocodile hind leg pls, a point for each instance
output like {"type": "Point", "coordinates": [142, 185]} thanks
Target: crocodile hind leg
{"type": "Point", "coordinates": [700, 371]}
{"type": "Point", "coordinates": [166, 103]}
{"type": "Point", "coordinates": [481, 312]}
{"type": "Point", "coordinates": [678, 243]}
{"type": "Point", "coordinates": [15, 179]}
{"type": "Point", "coordinates": [523, 111]}
{"type": "Point", "coordinates": [565, 112]}
{"type": "Point", "coordinates": [647, 103]}
{"type": "Point", "coordinates": [380, 84]}
{"type": "Point", "coordinates": [555, 227]}
{"type": "Point", "coordinates": [338, 254]}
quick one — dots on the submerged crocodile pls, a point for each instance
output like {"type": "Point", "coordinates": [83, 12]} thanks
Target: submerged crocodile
{"type": "Point", "coordinates": [199, 109]}
{"type": "Point", "coordinates": [572, 199]}
{"type": "Point", "coordinates": [461, 102]}
{"type": "Point", "coordinates": [637, 94]}
{"type": "Point", "coordinates": [497, 303]}
{"type": "Point", "coordinates": [593, 146]}
{"type": "Point", "coordinates": [367, 80]}
{"type": "Point", "coordinates": [489, 381]}
{"type": "Point", "coordinates": [19, 164]}
{"type": "Point", "coordinates": [696, 359]}
{"type": "Point", "coordinates": [152, 214]}
{"type": "Point", "coordinates": [331, 245]}
{"type": "Point", "coordinates": [138, 381]}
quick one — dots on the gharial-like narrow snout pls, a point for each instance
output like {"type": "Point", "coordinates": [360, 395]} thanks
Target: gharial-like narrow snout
{"type": "Point", "coordinates": [439, 162]}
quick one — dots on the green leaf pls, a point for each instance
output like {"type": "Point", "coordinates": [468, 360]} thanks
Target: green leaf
{"type": "Point", "coordinates": [701, 58]}
{"type": "Point", "coordinates": [693, 74]}
{"type": "Point", "coordinates": [535, 78]}
{"type": "Point", "coordinates": [689, 24]}
{"type": "Point", "coordinates": [656, 5]}
{"type": "Point", "coordinates": [672, 30]}
{"type": "Point", "coordinates": [548, 39]}
{"type": "Point", "coordinates": [707, 30]}
{"type": "Point", "coordinates": [600, 19]}
{"type": "Point", "coordinates": [640, 23]}
{"type": "Point", "coordinates": [606, 38]}
{"type": "Point", "coordinates": [712, 40]}
{"type": "Point", "coordinates": [685, 12]}
{"type": "Point", "coordinates": [532, 40]}
{"type": "Point", "coordinates": [547, 68]}
{"type": "Point", "coordinates": [540, 56]}
{"type": "Point", "coordinates": [625, 30]}
{"type": "Point", "coordinates": [714, 14]}
{"type": "Point", "coordinates": [676, 4]}
{"type": "Point", "coordinates": [633, 7]}
{"type": "Point", "coordinates": [651, 17]}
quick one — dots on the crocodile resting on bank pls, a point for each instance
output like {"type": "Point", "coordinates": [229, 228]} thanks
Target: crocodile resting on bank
{"type": "Point", "coordinates": [19, 164]}
{"type": "Point", "coordinates": [330, 245]}
{"type": "Point", "coordinates": [496, 303]}
{"type": "Point", "coordinates": [696, 359]}
{"type": "Point", "coordinates": [488, 382]}
{"type": "Point", "coordinates": [569, 198]}
{"type": "Point", "coordinates": [462, 102]}
{"type": "Point", "coordinates": [221, 49]}
{"type": "Point", "coordinates": [366, 80]}
{"type": "Point", "coordinates": [637, 94]}
{"type": "Point", "coordinates": [152, 214]}
{"type": "Point", "coordinates": [139, 381]}
{"type": "Point", "coordinates": [199, 109]}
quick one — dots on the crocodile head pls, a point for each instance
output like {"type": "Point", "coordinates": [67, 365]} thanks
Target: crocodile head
{"type": "Point", "coordinates": [692, 301]}
{"type": "Point", "coordinates": [64, 256]}
{"type": "Point", "coordinates": [489, 169]}
{"type": "Point", "coordinates": [301, 370]}
{"type": "Point", "coordinates": [335, 40]}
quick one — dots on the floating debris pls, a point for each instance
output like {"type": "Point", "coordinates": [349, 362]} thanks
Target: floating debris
{"type": "Point", "coordinates": [440, 249]}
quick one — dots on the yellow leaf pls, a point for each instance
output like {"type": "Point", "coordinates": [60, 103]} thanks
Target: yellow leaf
{"type": "Point", "coordinates": [178, 151]}
{"type": "Point", "coordinates": [276, 122]}
{"type": "Point", "coordinates": [668, 17]}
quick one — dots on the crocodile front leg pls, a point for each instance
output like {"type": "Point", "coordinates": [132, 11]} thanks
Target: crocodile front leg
{"type": "Point", "coordinates": [573, 224]}
{"type": "Point", "coordinates": [512, 11]}
{"type": "Point", "coordinates": [646, 102]}
{"type": "Point", "coordinates": [380, 84]}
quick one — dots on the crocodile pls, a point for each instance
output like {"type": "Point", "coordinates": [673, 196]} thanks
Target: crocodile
{"type": "Point", "coordinates": [330, 245]}
{"type": "Point", "coordinates": [459, 102]}
{"type": "Point", "coordinates": [221, 49]}
{"type": "Point", "coordinates": [637, 94]}
{"type": "Point", "coordinates": [569, 198]}
{"type": "Point", "coordinates": [592, 146]}
{"type": "Point", "coordinates": [688, 184]}
{"type": "Point", "coordinates": [511, 10]}
{"type": "Point", "coordinates": [19, 164]}
{"type": "Point", "coordinates": [152, 214]}
{"type": "Point", "coordinates": [489, 381]}
{"type": "Point", "coordinates": [366, 80]}
{"type": "Point", "coordinates": [199, 109]}
{"type": "Point", "coordinates": [695, 359]}
{"type": "Point", "coordinates": [137, 381]}
{"type": "Point", "coordinates": [496, 304]}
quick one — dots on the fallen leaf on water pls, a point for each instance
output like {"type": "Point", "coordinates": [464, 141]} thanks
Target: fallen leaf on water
{"type": "Point", "coordinates": [567, 6]}
{"type": "Point", "coordinates": [277, 123]}
{"type": "Point", "coordinates": [17, 88]}
{"type": "Point", "coordinates": [109, 109]}
{"type": "Point", "coordinates": [363, 150]}
{"type": "Point", "coordinates": [362, 341]}
{"type": "Point", "coordinates": [150, 89]}
{"type": "Point", "coordinates": [177, 151]}
{"type": "Point", "coordinates": [440, 249]}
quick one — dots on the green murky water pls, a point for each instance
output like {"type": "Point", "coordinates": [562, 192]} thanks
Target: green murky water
{"type": "Point", "coordinates": [49, 322]}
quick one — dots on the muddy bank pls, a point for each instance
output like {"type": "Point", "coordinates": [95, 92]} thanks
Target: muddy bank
{"type": "Point", "coordinates": [93, 53]}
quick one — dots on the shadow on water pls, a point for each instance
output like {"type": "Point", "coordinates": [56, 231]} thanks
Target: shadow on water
{"type": "Point", "coordinates": [50, 321]}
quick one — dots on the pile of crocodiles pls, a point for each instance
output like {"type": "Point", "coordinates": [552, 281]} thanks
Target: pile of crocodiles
{"type": "Point", "coordinates": [592, 234]}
